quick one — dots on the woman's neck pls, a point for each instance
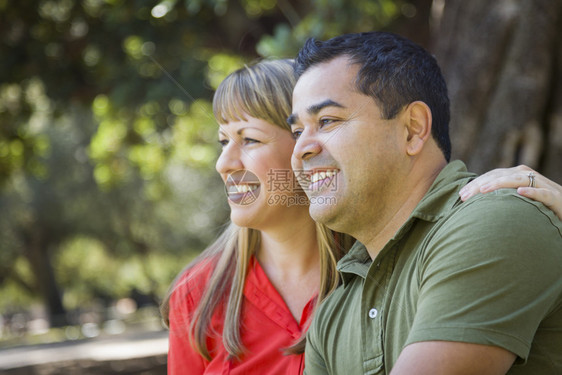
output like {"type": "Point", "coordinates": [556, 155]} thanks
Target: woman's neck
{"type": "Point", "coordinates": [291, 249]}
{"type": "Point", "coordinates": [290, 259]}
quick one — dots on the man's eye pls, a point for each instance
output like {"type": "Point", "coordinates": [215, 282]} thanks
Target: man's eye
{"type": "Point", "coordinates": [297, 134]}
{"type": "Point", "coordinates": [326, 121]}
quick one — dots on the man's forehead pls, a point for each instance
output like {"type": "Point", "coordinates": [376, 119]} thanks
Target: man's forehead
{"type": "Point", "coordinates": [323, 85]}
{"type": "Point", "coordinates": [325, 76]}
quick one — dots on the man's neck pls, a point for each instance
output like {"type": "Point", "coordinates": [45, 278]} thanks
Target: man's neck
{"type": "Point", "coordinates": [397, 215]}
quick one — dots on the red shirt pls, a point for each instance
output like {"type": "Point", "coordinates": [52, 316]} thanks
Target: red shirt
{"type": "Point", "coordinates": [267, 328]}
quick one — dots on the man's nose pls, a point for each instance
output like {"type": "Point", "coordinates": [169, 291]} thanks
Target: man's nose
{"type": "Point", "coordinates": [306, 147]}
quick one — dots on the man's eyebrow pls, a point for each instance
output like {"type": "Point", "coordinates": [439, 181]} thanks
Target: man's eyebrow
{"type": "Point", "coordinates": [292, 119]}
{"type": "Point", "coordinates": [314, 109]}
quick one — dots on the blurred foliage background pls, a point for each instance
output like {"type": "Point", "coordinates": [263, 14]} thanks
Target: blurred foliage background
{"type": "Point", "coordinates": [108, 142]}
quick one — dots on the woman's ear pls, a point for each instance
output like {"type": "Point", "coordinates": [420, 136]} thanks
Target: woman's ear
{"type": "Point", "coordinates": [418, 125]}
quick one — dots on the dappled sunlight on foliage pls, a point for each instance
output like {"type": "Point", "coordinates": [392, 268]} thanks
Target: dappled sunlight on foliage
{"type": "Point", "coordinates": [108, 140]}
{"type": "Point", "coordinates": [328, 19]}
{"type": "Point", "coordinates": [89, 257]}
{"type": "Point", "coordinates": [194, 136]}
{"type": "Point", "coordinates": [14, 297]}
{"type": "Point", "coordinates": [255, 8]}
{"type": "Point", "coordinates": [29, 109]}
{"type": "Point", "coordinates": [220, 65]}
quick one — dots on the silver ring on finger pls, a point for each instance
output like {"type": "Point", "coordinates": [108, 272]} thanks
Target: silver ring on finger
{"type": "Point", "coordinates": [532, 182]}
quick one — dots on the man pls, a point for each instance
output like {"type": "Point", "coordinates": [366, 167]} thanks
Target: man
{"type": "Point", "coordinates": [433, 286]}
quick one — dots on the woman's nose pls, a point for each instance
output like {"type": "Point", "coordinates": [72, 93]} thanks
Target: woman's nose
{"type": "Point", "coordinates": [229, 160]}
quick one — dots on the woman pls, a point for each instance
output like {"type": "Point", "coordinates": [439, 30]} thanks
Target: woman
{"type": "Point", "coordinates": [243, 306]}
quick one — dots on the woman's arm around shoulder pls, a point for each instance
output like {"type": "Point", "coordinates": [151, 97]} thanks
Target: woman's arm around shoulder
{"type": "Point", "coordinates": [528, 183]}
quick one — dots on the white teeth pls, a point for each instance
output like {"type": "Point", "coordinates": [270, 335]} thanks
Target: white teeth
{"type": "Point", "coordinates": [317, 176]}
{"type": "Point", "coordinates": [241, 188]}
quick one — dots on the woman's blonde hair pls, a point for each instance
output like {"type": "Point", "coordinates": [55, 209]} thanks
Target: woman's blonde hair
{"type": "Point", "coordinates": [262, 91]}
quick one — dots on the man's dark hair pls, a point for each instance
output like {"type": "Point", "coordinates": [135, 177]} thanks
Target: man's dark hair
{"type": "Point", "coordinates": [393, 70]}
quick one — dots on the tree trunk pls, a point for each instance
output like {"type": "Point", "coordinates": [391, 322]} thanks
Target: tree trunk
{"type": "Point", "coordinates": [503, 64]}
{"type": "Point", "coordinates": [37, 253]}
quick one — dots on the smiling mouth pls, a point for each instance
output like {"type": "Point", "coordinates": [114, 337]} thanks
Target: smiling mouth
{"type": "Point", "coordinates": [242, 188]}
{"type": "Point", "coordinates": [322, 175]}
{"type": "Point", "coordinates": [243, 193]}
{"type": "Point", "coordinates": [321, 179]}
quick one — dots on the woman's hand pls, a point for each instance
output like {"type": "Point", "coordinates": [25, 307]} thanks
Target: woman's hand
{"type": "Point", "coordinates": [521, 177]}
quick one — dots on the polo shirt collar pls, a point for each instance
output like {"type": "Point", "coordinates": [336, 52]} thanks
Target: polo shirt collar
{"type": "Point", "coordinates": [437, 202]}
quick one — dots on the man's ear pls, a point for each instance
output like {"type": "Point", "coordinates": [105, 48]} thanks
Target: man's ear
{"type": "Point", "coordinates": [418, 125]}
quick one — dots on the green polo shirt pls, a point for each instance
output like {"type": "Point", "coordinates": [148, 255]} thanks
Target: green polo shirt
{"type": "Point", "coordinates": [487, 271]}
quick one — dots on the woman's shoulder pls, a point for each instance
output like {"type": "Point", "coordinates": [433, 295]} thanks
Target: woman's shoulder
{"type": "Point", "coordinates": [192, 281]}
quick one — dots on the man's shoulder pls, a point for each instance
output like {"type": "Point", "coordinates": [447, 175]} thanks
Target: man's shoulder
{"type": "Point", "coordinates": [502, 225]}
{"type": "Point", "coordinates": [506, 211]}
{"type": "Point", "coordinates": [490, 271]}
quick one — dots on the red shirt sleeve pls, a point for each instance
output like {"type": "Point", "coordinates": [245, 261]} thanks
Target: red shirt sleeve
{"type": "Point", "coordinates": [182, 357]}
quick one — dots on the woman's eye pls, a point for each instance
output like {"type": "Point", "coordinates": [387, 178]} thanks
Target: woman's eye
{"type": "Point", "coordinates": [250, 140]}
{"type": "Point", "coordinates": [223, 142]}
{"type": "Point", "coordinates": [297, 133]}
